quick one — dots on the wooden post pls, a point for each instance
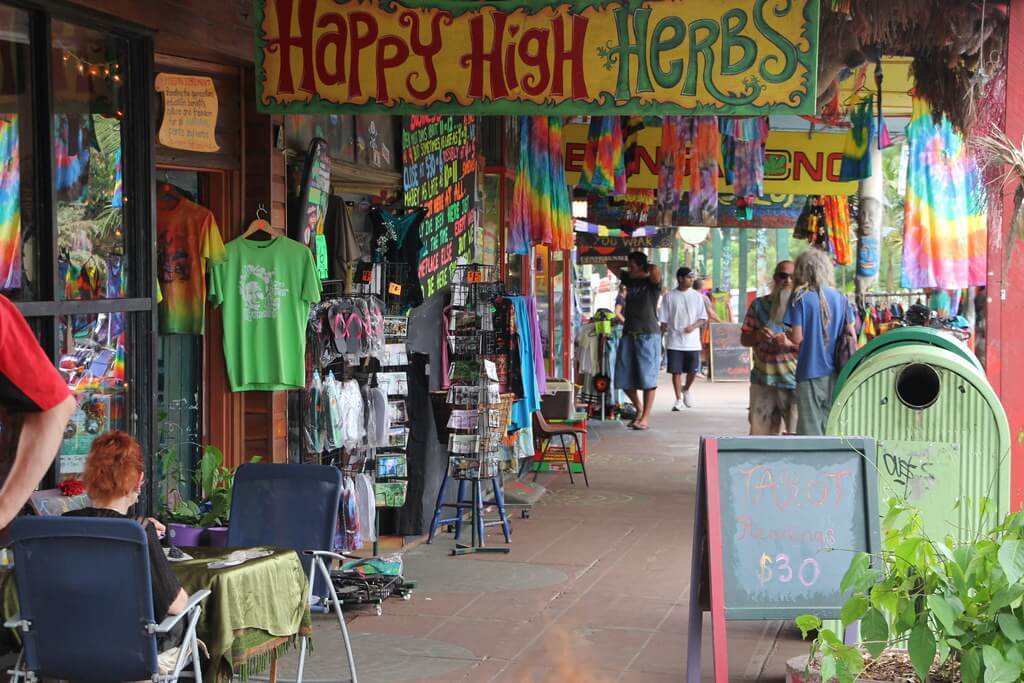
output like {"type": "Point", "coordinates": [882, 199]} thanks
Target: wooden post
{"type": "Point", "coordinates": [1005, 285]}
{"type": "Point", "coordinates": [741, 305]}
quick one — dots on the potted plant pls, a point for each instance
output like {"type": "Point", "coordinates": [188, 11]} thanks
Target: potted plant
{"type": "Point", "coordinates": [934, 610]}
{"type": "Point", "coordinates": [191, 521]}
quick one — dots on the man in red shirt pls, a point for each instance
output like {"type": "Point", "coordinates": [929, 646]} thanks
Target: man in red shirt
{"type": "Point", "coordinates": [29, 384]}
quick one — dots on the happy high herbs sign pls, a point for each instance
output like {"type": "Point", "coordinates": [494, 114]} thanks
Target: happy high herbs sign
{"type": "Point", "coordinates": [733, 57]}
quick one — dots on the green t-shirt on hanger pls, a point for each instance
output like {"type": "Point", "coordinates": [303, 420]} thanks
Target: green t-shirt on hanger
{"type": "Point", "coordinates": [265, 290]}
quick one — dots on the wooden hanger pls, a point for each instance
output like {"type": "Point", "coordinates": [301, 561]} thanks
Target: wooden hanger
{"type": "Point", "coordinates": [261, 224]}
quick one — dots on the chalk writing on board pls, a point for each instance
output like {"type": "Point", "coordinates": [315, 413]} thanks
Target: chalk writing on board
{"type": "Point", "coordinates": [438, 173]}
{"type": "Point", "coordinates": [788, 525]}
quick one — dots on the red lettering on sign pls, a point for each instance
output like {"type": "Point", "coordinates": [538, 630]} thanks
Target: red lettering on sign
{"type": "Point", "coordinates": [575, 154]}
{"type": "Point", "coordinates": [833, 166]}
{"type": "Point", "coordinates": [481, 56]}
{"type": "Point", "coordinates": [574, 55]}
{"type": "Point", "coordinates": [339, 40]}
{"type": "Point", "coordinates": [287, 40]}
{"type": "Point", "coordinates": [359, 40]}
{"type": "Point", "coordinates": [801, 163]}
{"type": "Point", "coordinates": [425, 50]}
{"type": "Point", "coordinates": [385, 62]}
{"type": "Point", "coordinates": [535, 84]}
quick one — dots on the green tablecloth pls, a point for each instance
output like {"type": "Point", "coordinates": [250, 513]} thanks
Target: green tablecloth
{"type": "Point", "coordinates": [255, 612]}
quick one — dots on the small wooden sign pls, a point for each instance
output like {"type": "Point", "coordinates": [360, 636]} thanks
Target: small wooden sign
{"type": "Point", "coordinates": [190, 112]}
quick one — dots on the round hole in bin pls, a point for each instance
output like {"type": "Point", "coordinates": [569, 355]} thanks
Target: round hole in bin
{"type": "Point", "coordinates": [918, 386]}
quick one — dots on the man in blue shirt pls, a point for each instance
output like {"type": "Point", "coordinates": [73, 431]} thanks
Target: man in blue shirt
{"type": "Point", "coordinates": [816, 327]}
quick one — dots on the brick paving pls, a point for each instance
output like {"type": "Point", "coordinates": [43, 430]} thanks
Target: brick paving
{"type": "Point", "coordinates": [595, 588]}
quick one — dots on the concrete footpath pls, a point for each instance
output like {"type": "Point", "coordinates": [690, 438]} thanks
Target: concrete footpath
{"type": "Point", "coordinates": [596, 586]}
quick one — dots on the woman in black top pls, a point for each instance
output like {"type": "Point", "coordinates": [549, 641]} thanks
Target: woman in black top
{"type": "Point", "coordinates": [113, 480]}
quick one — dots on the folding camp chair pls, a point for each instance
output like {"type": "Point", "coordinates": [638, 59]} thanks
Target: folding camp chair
{"type": "Point", "coordinates": [86, 603]}
{"type": "Point", "coordinates": [292, 506]}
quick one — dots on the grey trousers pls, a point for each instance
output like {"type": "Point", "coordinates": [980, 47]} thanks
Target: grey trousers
{"type": "Point", "coordinates": [814, 401]}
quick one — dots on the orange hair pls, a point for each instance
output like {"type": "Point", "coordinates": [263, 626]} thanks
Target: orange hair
{"type": "Point", "coordinates": [113, 467]}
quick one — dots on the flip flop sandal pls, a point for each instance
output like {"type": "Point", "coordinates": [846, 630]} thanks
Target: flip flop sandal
{"type": "Point", "coordinates": [354, 333]}
{"type": "Point", "coordinates": [336, 318]}
{"type": "Point", "coordinates": [640, 428]}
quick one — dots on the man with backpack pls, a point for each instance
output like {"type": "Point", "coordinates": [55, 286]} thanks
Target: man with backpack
{"type": "Point", "coordinates": [820, 320]}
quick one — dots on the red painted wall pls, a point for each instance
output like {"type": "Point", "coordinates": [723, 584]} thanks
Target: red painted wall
{"type": "Point", "coordinates": [1005, 349]}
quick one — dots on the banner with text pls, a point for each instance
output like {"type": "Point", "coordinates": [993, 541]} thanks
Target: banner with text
{"type": "Point", "coordinates": [730, 57]}
{"type": "Point", "coordinates": [438, 168]}
{"type": "Point", "coordinates": [795, 163]}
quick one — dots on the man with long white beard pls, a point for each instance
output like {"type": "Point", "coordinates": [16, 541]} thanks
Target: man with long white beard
{"type": "Point", "coordinates": [773, 378]}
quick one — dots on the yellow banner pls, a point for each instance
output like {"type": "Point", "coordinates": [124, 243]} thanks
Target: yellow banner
{"type": "Point", "coordinates": [734, 57]}
{"type": "Point", "coordinates": [795, 163]}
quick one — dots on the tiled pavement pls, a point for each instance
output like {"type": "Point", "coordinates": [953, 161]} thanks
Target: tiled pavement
{"type": "Point", "coordinates": [596, 586]}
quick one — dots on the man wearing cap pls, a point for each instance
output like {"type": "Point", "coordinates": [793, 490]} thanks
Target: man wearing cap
{"type": "Point", "coordinates": [683, 314]}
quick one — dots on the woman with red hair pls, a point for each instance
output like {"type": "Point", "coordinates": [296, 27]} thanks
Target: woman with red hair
{"type": "Point", "coordinates": [113, 480]}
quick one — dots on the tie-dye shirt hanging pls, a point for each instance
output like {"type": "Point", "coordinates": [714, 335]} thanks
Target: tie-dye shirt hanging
{"type": "Point", "coordinates": [743, 153]}
{"type": "Point", "coordinates": [541, 210]}
{"type": "Point", "coordinates": [10, 204]}
{"type": "Point", "coordinates": [704, 139]}
{"type": "Point", "coordinates": [604, 166]}
{"type": "Point", "coordinates": [944, 219]}
{"type": "Point", "coordinates": [671, 165]}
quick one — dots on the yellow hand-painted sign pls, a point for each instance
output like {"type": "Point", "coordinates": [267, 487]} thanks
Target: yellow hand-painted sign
{"type": "Point", "coordinates": [795, 163]}
{"type": "Point", "coordinates": [190, 112]}
{"type": "Point", "coordinates": [534, 57]}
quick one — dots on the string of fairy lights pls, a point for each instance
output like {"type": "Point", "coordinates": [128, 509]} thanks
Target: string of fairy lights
{"type": "Point", "coordinates": [108, 70]}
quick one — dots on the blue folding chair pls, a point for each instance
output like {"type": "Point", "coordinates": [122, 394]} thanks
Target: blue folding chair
{"type": "Point", "coordinates": [86, 603]}
{"type": "Point", "coordinates": [292, 506]}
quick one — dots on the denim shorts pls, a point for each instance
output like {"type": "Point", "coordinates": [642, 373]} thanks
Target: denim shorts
{"type": "Point", "coordinates": [638, 361]}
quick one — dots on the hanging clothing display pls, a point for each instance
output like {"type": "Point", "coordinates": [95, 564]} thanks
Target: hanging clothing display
{"type": "Point", "coordinates": [743, 152]}
{"type": "Point", "coordinates": [704, 140]}
{"type": "Point", "coordinates": [863, 133]}
{"type": "Point", "coordinates": [10, 203]}
{"type": "Point", "coordinates": [825, 223]}
{"type": "Point", "coordinates": [188, 241]}
{"type": "Point", "coordinates": [396, 239]}
{"type": "Point", "coordinates": [631, 127]}
{"type": "Point", "coordinates": [341, 240]}
{"type": "Point", "coordinates": [541, 208]}
{"type": "Point", "coordinates": [671, 169]}
{"type": "Point", "coordinates": [944, 219]}
{"type": "Point", "coordinates": [604, 166]}
{"type": "Point", "coordinates": [528, 337]}
{"type": "Point", "coordinates": [265, 290]}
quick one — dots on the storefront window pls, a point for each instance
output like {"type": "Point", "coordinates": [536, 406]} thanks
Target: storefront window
{"type": "Point", "coordinates": [18, 257]}
{"type": "Point", "coordinates": [92, 363]}
{"type": "Point", "coordinates": [88, 77]}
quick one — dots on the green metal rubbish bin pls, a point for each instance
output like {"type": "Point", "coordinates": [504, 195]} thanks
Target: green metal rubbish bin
{"type": "Point", "coordinates": [901, 336]}
{"type": "Point", "coordinates": [942, 433]}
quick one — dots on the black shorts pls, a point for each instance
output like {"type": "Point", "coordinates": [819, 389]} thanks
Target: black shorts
{"type": "Point", "coordinates": [683, 362]}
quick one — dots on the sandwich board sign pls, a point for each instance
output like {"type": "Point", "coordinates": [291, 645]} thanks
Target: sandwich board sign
{"type": "Point", "coordinates": [777, 521]}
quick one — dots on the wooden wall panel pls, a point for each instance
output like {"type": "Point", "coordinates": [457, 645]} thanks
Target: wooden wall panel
{"type": "Point", "coordinates": [214, 30]}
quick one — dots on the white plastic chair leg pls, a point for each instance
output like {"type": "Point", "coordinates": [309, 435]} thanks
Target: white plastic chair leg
{"type": "Point", "coordinates": [318, 562]}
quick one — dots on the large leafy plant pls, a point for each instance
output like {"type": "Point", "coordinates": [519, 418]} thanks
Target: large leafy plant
{"type": "Point", "coordinates": [954, 605]}
{"type": "Point", "coordinates": [215, 483]}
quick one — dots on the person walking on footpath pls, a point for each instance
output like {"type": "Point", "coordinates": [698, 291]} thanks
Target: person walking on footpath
{"type": "Point", "coordinates": [773, 407]}
{"type": "Point", "coordinates": [816, 318]}
{"type": "Point", "coordinates": [32, 387]}
{"type": "Point", "coordinates": [683, 315]}
{"type": "Point", "coordinates": [639, 355]}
